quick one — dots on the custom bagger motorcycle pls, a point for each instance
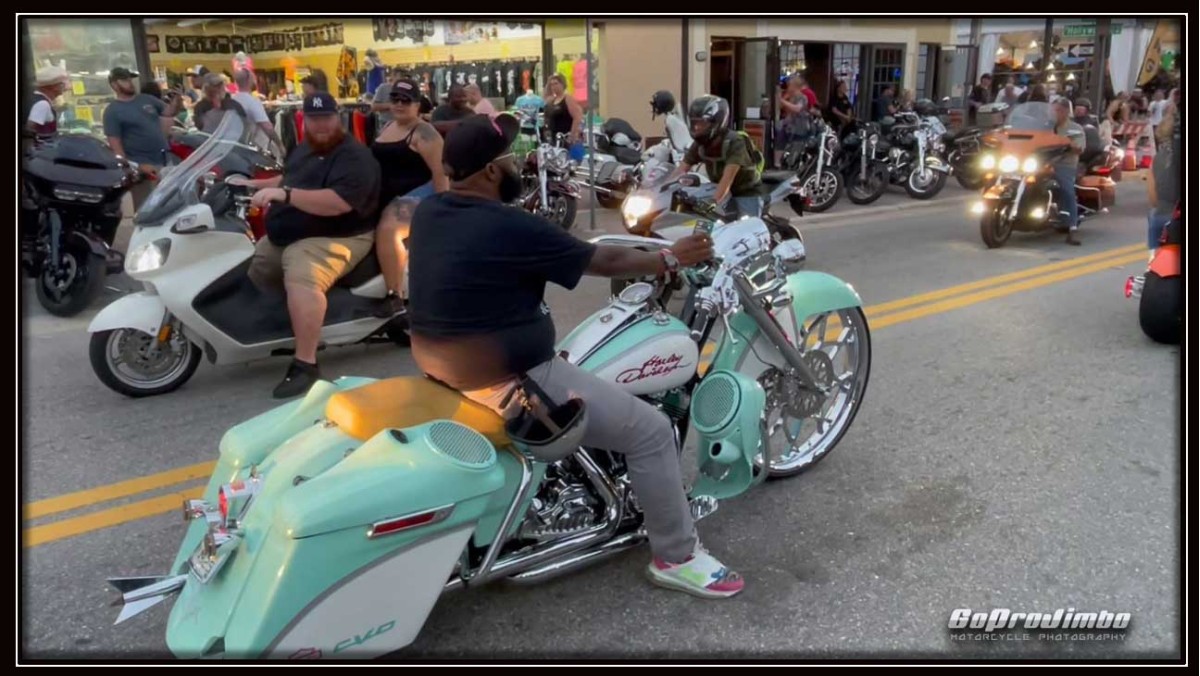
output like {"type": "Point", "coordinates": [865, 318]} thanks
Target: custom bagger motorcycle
{"type": "Point", "coordinates": [332, 524]}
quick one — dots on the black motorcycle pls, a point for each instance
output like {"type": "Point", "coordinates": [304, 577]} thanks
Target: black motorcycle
{"type": "Point", "coordinates": [964, 149]}
{"type": "Point", "coordinates": [71, 207]}
{"type": "Point", "coordinates": [863, 169]}
{"type": "Point", "coordinates": [914, 149]}
{"type": "Point", "coordinates": [812, 159]}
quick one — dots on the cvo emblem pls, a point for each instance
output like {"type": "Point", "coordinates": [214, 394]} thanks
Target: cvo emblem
{"type": "Point", "coordinates": [357, 640]}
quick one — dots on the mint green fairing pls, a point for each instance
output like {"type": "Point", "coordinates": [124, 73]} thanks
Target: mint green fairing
{"type": "Point", "coordinates": [812, 293]}
{"type": "Point", "coordinates": [302, 538]}
{"type": "Point", "coordinates": [249, 442]}
{"type": "Point", "coordinates": [727, 411]}
{"type": "Point", "coordinates": [624, 341]}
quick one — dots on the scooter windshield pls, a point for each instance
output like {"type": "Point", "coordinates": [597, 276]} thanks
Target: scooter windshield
{"type": "Point", "coordinates": [1034, 116]}
{"type": "Point", "coordinates": [179, 186]}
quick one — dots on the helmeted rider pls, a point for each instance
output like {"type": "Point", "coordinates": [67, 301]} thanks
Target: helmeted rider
{"type": "Point", "coordinates": [726, 154]}
{"type": "Point", "coordinates": [663, 103]}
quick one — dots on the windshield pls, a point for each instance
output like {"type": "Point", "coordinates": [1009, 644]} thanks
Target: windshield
{"type": "Point", "coordinates": [1035, 116]}
{"type": "Point", "coordinates": [179, 186]}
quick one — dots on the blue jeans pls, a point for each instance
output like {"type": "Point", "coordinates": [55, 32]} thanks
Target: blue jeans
{"type": "Point", "coordinates": [1157, 222]}
{"type": "Point", "coordinates": [748, 206]}
{"type": "Point", "coordinates": [420, 191]}
{"type": "Point", "coordinates": [1065, 175]}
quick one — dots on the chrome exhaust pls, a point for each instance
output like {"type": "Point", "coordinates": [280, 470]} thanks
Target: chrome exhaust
{"type": "Point", "coordinates": [613, 514]}
{"type": "Point", "coordinates": [574, 562]}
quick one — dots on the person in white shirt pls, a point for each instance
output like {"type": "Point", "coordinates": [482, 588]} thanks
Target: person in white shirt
{"type": "Point", "coordinates": [43, 118]}
{"type": "Point", "coordinates": [255, 112]}
{"type": "Point", "coordinates": [1157, 107]}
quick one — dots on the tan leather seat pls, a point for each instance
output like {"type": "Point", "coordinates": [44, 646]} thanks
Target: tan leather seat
{"type": "Point", "coordinates": [406, 402]}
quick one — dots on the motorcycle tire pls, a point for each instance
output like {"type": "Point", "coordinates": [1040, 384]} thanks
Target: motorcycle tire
{"type": "Point", "coordinates": [567, 219]}
{"type": "Point", "coordinates": [814, 206]}
{"type": "Point", "coordinates": [1160, 311]}
{"type": "Point", "coordinates": [994, 232]}
{"type": "Point", "coordinates": [969, 181]}
{"type": "Point", "coordinates": [939, 182]}
{"type": "Point", "coordinates": [860, 193]}
{"type": "Point", "coordinates": [102, 366]}
{"type": "Point", "coordinates": [86, 283]}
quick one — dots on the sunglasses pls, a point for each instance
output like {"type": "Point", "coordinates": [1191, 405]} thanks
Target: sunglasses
{"type": "Point", "coordinates": [402, 98]}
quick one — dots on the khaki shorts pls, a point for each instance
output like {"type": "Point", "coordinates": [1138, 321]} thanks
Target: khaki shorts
{"type": "Point", "coordinates": [314, 262]}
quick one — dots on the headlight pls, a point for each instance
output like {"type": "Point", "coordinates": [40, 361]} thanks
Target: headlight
{"type": "Point", "coordinates": [634, 209]}
{"type": "Point", "coordinates": [1030, 165]}
{"type": "Point", "coordinates": [148, 257]}
{"type": "Point", "coordinates": [78, 195]}
{"type": "Point", "coordinates": [978, 208]}
{"type": "Point", "coordinates": [1009, 164]}
{"type": "Point", "coordinates": [987, 162]}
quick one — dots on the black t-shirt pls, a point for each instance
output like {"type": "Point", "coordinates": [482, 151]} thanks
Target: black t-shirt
{"type": "Point", "coordinates": [477, 277]}
{"type": "Point", "coordinates": [881, 107]}
{"type": "Point", "coordinates": [350, 170]}
{"type": "Point", "coordinates": [842, 105]}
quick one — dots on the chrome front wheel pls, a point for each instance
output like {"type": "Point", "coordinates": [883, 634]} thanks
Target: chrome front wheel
{"type": "Point", "coordinates": [802, 426]}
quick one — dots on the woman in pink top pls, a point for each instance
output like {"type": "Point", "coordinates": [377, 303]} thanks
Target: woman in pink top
{"type": "Point", "coordinates": [480, 105]}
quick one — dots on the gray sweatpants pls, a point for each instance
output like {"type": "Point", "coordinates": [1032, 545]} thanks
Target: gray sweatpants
{"type": "Point", "coordinates": [621, 423]}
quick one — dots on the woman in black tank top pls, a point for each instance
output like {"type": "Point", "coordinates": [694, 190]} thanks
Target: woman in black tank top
{"type": "Point", "coordinates": [563, 113]}
{"type": "Point", "coordinates": [409, 152]}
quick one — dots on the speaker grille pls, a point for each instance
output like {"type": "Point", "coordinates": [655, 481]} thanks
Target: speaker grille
{"type": "Point", "coordinates": [715, 402]}
{"type": "Point", "coordinates": [462, 444]}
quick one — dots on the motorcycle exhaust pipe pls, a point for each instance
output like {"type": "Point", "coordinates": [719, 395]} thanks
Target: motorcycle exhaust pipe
{"type": "Point", "coordinates": [575, 562]}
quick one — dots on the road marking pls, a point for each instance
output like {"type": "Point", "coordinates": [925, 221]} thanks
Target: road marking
{"type": "Point", "coordinates": [91, 496]}
{"type": "Point", "coordinates": [163, 504]}
{"type": "Point", "coordinates": [922, 305]}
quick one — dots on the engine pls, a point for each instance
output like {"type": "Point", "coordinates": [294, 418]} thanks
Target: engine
{"type": "Point", "coordinates": [563, 505]}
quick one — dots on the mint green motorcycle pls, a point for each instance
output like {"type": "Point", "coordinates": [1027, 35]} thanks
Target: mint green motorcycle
{"type": "Point", "coordinates": [332, 524]}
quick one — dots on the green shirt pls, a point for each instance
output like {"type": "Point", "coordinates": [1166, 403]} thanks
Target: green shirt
{"type": "Point", "coordinates": [737, 153]}
{"type": "Point", "coordinates": [1074, 133]}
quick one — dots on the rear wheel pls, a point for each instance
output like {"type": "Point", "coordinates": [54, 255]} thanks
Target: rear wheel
{"type": "Point", "coordinates": [1160, 311]}
{"type": "Point", "coordinates": [823, 192]}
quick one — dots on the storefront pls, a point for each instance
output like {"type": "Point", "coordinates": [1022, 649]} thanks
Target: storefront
{"type": "Point", "coordinates": [87, 49]}
{"type": "Point", "coordinates": [1067, 56]}
{"type": "Point", "coordinates": [745, 61]}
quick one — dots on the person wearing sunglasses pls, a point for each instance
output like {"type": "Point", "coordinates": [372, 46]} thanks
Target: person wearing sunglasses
{"type": "Point", "coordinates": [409, 152]}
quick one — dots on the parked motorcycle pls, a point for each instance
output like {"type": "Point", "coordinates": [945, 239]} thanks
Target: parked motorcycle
{"type": "Point", "coordinates": [332, 524]}
{"type": "Point", "coordinates": [1021, 194]}
{"type": "Point", "coordinates": [812, 160]}
{"type": "Point", "coordinates": [192, 254]}
{"type": "Point", "coordinates": [862, 165]}
{"type": "Point", "coordinates": [547, 188]}
{"type": "Point", "coordinates": [618, 154]}
{"type": "Point", "coordinates": [72, 189]}
{"type": "Point", "coordinates": [914, 147]}
{"type": "Point", "coordinates": [967, 145]}
{"type": "Point", "coordinates": [1159, 290]}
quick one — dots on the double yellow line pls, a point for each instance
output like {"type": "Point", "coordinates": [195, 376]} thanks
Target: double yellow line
{"type": "Point", "coordinates": [880, 316]}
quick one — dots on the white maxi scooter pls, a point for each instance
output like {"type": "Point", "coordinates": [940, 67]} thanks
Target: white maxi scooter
{"type": "Point", "coordinates": [191, 253]}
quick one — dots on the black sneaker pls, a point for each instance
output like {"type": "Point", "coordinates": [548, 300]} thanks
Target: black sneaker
{"type": "Point", "coordinates": [390, 306]}
{"type": "Point", "coordinates": [300, 376]}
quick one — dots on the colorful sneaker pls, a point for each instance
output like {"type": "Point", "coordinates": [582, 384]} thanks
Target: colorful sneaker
{"type": "Point", "coordinates": [701, 575]}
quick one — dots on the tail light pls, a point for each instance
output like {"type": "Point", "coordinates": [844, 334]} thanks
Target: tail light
{"type": "Point", "coordinates": [1103, 171]}
{"type": "Point", "coordinates": [396, 525]}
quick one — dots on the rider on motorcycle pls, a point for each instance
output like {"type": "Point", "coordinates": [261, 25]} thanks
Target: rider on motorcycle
{"type": "Point", "coordinates": [1066, 166]}
{"type": "Point", "coordinates": [479, 324]}
{"type": "Point", "coordinates": [725, 153]}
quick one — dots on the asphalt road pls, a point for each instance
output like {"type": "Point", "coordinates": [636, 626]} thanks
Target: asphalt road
{"type": "Point", "coordinates": [1018, 448]}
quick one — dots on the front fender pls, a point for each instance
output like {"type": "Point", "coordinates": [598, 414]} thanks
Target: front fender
{"type": "Point", "coordinates": [565, 187]}
{"type": "Point", "coordinates": [94, 242]}
{"type": "Point", "coordinates": [937, 164]}
{"type": "Point", "coordinates": [811, 292]}
{"type": "Point", "coordinates": [142, 311]}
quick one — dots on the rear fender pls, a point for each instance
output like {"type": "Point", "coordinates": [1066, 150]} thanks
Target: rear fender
{"type": "Point", "coordinates": [1166, 261]}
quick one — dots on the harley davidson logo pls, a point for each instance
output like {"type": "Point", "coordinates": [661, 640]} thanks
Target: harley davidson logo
{"type": "Point", "coordinates": [654, 366]}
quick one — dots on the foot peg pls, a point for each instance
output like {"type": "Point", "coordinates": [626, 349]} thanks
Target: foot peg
{"type": "Point", "coordinates": [702, 506]}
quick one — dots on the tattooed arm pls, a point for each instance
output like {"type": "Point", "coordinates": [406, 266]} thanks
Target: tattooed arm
{"type": "Point", "coordinates": [429, 145]}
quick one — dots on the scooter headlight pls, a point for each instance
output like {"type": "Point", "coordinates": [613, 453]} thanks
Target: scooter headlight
{"type": "Point", "coordinates": [987, 162]}
{"type": "Point", "coordinates": [1030, 165]}
{"type": "Point", "coordinates": [148, 257]}
{"type": "Point", "coordinates": [1009, 164]}
{"type": "Point", "coordinates": [635, 208]}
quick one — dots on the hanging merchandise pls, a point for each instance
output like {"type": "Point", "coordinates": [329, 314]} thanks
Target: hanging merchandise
{"type": "Point", "coordinates": [174, 44]}
{"type": "Point", "coordinates": [579, 81]}
{"type": "Point", "coordinates": [347, 73]}
{"type": "Point", "coordinates": [566, 68]}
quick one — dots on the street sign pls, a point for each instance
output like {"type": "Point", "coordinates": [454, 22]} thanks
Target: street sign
{"type": "Point", "coordinates": [1081, 50]}
{"type": "Point", "coordinates": [1088, 30]}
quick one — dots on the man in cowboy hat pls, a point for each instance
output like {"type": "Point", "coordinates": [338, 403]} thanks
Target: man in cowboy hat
{"type": "Point", "coordinates": [43, 116]}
